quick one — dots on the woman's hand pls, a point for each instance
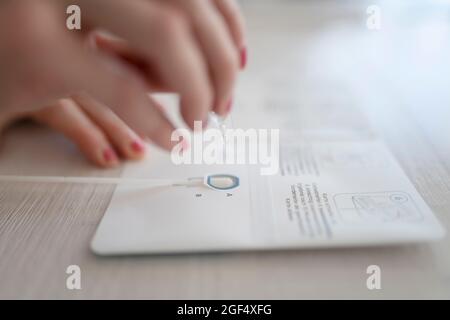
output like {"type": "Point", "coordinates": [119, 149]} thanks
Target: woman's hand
{"type": "Point", "coordinates": [99, 134]}
{"type": "Point", "coordinates": [193, 48]}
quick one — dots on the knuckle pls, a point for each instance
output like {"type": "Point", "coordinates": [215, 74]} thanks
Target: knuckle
{"type": "Point", "coordinates": [202, 96]}
{"type": "Point", "coordinates": [229, 67]}
{"type": "Point", "coordinates": [208, 96]}
{"type": "Point", "coordinates": [231, 62]}
{"type": "Point", "coordinates": [171, 22]}
{"type": "Point", "coordinates": [36, 22]}
{"type": "Point", "coordinates": [115, 124]}
{"type": "Point", "coordinates": [89, 134]}
{"type": "Point", "coordinates": [65, 106]}
{"type": "Point", "coordinates": [233, 8]}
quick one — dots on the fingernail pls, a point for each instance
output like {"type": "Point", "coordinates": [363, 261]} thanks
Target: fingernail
{"type": "Point", "coordinates": [110, 155]}
{"type": "Point", "coordinates": [229, 105]}
{"type": "Point", "coordinates": [137, 146]}
{"type": "Point", "coordinates": [243, 57]}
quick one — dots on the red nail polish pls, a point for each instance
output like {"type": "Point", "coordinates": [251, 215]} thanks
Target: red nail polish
{"type": "Point", "coordinates": [109, 155]}
{"type": "Point", "coordinates": [243, 57]}
{"type": "Point", "coordinates": [137, 146]}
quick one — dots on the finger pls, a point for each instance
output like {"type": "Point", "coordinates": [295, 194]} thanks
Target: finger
{"type": "Point", "coordinates": [235, 21]}
{"type": "Point", "coordinates": [67, 117]}
{"type": "Point", "coordinates": [218, 48]}
{"type": "Point", "coordinates": [124, 139]}
{"type": "Point", "coordinates": [159, 131]}
{"type": "Point", "coordinates": [178, 58]}
{"type": "Point", "coordinates": [7, 117]}
{"type": "Point", "coordinates": [51, 62]}
{"type": "Point", "coordinates": [131, 103]}
{"type": "Point", "coordinates": [110, 44]}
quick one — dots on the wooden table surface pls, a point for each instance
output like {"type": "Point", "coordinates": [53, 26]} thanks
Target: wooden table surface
{"type": "Point", "coordinates": [397, 77]}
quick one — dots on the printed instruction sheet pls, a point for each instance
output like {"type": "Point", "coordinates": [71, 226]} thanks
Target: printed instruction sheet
{"type": "Point", "coordinates": [336, 186]}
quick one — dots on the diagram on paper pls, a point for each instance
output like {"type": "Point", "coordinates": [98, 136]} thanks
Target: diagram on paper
{"type": "Point", "coordinates": [377, 207]}
{"type": "Point", "coordinates": [314, 158]}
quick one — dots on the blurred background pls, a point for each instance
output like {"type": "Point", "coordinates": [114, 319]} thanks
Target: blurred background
{"type": "Point", "coordinates": [386, 59]}
{"type": "Point", "coordinates": [319, 67]}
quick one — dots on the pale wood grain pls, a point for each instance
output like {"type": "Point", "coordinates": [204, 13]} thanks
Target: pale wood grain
{"type": "Point", "coordinates": [45, 228]}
